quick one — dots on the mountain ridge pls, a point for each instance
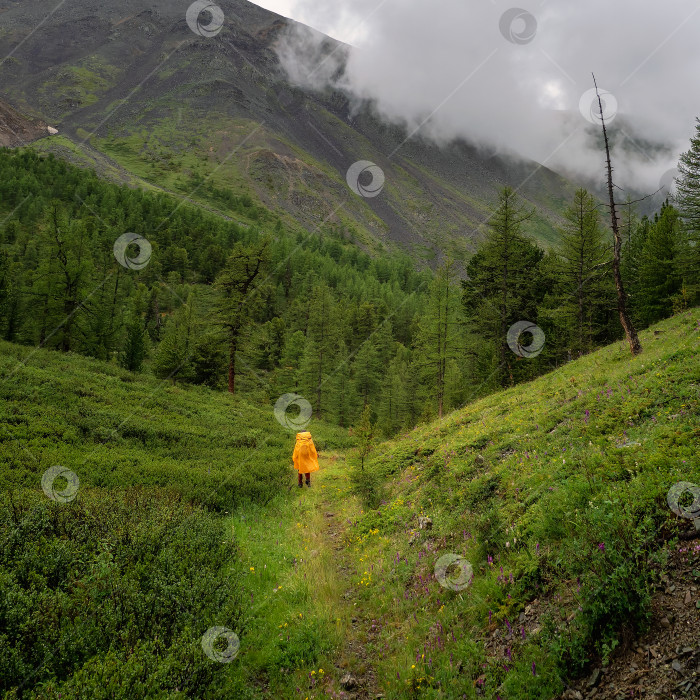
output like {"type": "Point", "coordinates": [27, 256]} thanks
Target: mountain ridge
{"type": "Point", "coordinates": [138, 85]}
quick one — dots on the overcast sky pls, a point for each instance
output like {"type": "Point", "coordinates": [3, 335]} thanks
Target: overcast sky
{"type": "Point", "coordinates": [514, 78]}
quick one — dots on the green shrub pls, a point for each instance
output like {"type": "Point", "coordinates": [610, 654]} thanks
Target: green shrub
{"type": "Point", "coordinates": [112, 589]}
{"type": "Point", "coordinates": [609, 554]}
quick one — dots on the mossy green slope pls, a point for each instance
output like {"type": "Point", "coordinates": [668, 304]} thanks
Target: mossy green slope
{"type": "Point", "coordinates": [110, 593]}
{"type": "Point", "coordinates": [553, 491]}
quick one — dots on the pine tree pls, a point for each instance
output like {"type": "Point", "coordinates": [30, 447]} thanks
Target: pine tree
{"type": "Point", "coordinates": [239, 298]}
{"type": "Point", "coordinates": [364, 432]}
{"type": "Point", "coordinates": [398, 404]}
{"type": "Point", "coordinates": [438, 340]}
{"type": "Point", "coordinates": [366, 372]}
{"type": "Point", "coordinates": [287, 376]}
{"type": "Point", "coordinates": [173, 357]}
{"type": "Point", "coordinates": [362, 324]}
{"type": "Point", "coordinates": [687, 198]}
{"type": "Point", "coordinates": [63, 276]}
{"type": "Point", "coordinates": [630, 265]}
{"type": "Point", "coordinates": [134, 350]}
{"type": "Point", "coordinates": [5, 287]}
{"type": "Point", "coordinates": [628, 221]}
{"type": "Point", "coordinates": [622, 300]}
{"type": "Point", "coordinates": [659, 268]}
{"type": "Point", "coordinates": [384, 343]}
{"type": "Point", "coordinates": [688, 184]}
{"type": "Point", "coordinates": [503, 285]}
{"type": "Point", "coordinates": [323, 334]}
{"type": "Point", "coordinates": [342, 397]}
{"type": "Point", "coordinates": [209, 361]}
{"type": "Point", "coordinates": [583, 273]}
{"type": "Point", "coordinates": [102, 325]}
{"type": "Point", "coordinates": [309, 369]}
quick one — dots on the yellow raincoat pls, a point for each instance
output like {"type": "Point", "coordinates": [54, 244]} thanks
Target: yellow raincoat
{"type": "Point", "coordinates": [305, 455]}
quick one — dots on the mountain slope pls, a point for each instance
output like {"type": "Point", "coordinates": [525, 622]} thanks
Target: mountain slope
{"type": "Point", "coordinates": [17, 129]}
{"type": "Point", "coordinates": [108, 590]}
{"type": "Point", "coordinates": [173, 108]}
{"type": "Point", "coordinates": [554, 494]}
{"type": "Point", "coordinates": [559, 479]}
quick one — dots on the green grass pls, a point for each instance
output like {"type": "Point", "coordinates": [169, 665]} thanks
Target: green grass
{"type": "Point", "coordinates": [117, 429]}
{"type": "Point", "coordinates": [85, 82]}
{"type": "Point", "coordinates": [562, 482]}
{"type": "Point", "coordinates": [299, 619]}
{"type": "Point", "coordinates": [534, 479]}
{"type": "Point", "coordinates": [109, 594]}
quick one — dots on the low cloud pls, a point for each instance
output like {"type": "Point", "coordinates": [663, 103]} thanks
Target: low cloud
{"type": "Point", "coordinates": [512, 78]}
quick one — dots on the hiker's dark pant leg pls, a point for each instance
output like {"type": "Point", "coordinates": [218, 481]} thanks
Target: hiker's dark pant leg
{"type": "Point", "coordinates": [308, 477]}
{"type": "Point", "coordinates": [300, 479]}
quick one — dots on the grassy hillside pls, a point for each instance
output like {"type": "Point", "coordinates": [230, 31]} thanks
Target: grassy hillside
{"type": "Point", "coordinates": [554, 492]}
{"type": "Point", "coordinates": [111, 592]}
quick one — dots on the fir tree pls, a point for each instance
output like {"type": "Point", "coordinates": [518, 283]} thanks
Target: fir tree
{"type": "Point", "coordinates": [238, 286]}
{"type": "Point", "coordinates": [504, 285]}
{"type": "Point", "coordinates": [659, 267]}
{"type": "Point", "coordinates": [583, 273]}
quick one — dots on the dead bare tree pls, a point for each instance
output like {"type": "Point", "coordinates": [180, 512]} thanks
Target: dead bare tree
{"type": "Point", "coordinates": [625, 320]}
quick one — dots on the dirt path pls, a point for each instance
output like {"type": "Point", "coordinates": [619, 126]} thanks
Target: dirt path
{"type": "Point", "coordinates": [335, 508]}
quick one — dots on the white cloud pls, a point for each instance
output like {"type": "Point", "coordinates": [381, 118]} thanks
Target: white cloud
{"type": "Point", "coordinates": [448, 60]}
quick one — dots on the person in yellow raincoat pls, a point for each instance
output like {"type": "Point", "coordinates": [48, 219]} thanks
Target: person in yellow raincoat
{"type": "Point", "coordinates": [305, 457]}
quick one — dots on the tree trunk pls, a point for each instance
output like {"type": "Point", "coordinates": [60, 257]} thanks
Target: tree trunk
{"type": "Point", "coordinates": [504, 306]}
{"type": "Point", "coordinates": [232, 363]}
{"type": "Point", "coordinates": [625, 320]}
{"type": "Point", "coordinates": [69, 306]}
